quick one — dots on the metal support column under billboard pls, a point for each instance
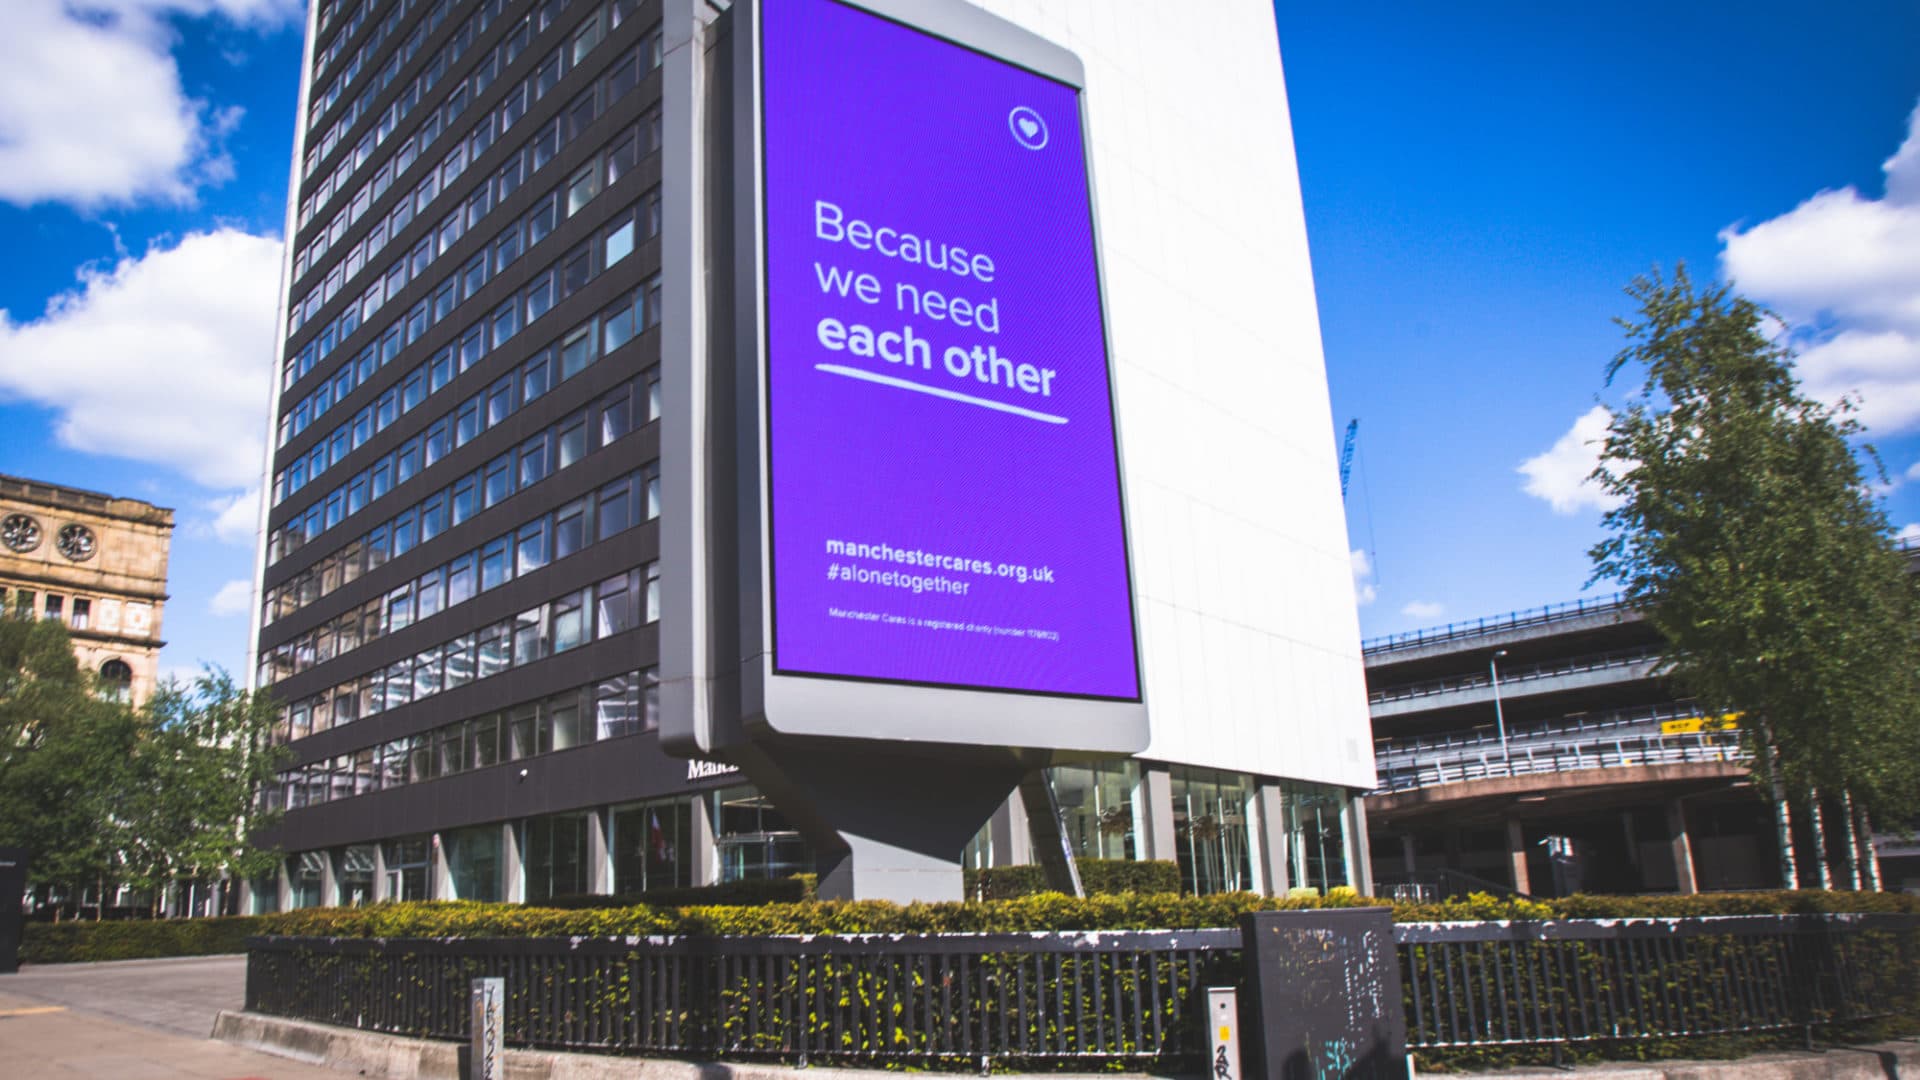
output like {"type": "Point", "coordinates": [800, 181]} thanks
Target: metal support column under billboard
{"type": "Point", "coordinates": [896, 567]}
{"type": "Point", "coordinates": [1051, 846]}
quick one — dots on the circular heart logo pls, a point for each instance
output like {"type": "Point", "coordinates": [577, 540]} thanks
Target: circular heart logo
{"type": "Point", "coordinates": [1029, 130]}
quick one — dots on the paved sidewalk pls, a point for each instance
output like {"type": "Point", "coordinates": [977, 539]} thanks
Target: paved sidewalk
{"type": "Point", "coordinates": [180, 995]}
{"type": "Point", "coordinates": [39, 1041]}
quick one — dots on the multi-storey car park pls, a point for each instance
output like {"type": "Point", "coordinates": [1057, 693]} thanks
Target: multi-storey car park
{"type": "Point", "coordinates": [1542, 751]}
{"type": "Point", "coordinates": [461, 579]}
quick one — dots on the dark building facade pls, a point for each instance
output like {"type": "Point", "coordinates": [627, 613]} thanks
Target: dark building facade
{"type": "Point", "coordinates": [460, 593]}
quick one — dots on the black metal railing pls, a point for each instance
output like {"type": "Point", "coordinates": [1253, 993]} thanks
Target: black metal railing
{"type": "Point", "coordinates": [1112, 995]}
{"type": "Point", "coordinates": [1523, 759]}
{"type": "Point", "coordinates": [1512, 620]}
{"type": "Point", "coordinates": [1578, 980]}
{"type": "Point", "coordinates": [1118, 995]}
{"type": "Point", "coordinates": [1551, 669]}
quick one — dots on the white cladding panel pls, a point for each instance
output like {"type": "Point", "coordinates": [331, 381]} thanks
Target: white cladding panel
{"type": "Point", "coordinates": [1252, 641]}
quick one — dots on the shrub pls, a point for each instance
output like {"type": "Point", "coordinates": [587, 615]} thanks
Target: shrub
{"type": "Point", "coordinates": [48, 943]}
{"type": "Point", "coordinates": [78, 942]}
{"type": "Point", "coordinates": [787, 890]}
{"type": "Point", "coordinates": [1097, 876]}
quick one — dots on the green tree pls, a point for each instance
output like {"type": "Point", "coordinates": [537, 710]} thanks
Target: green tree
{"type": "Point", "coordinates": [102, 794]}
{"type": "Point", "coordinates": [187, 810]}
{"type": "Point", "coordinates": [64, 749]}
{"type": "Point", "coordinates": [1747, 535]}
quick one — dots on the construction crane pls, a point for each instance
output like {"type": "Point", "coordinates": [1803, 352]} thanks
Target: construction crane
{"type": "Point", "coordinates": [1346, 454]}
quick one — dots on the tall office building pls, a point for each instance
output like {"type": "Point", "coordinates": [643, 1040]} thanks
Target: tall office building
{"type": "Point", "coordinates": [461, 584]}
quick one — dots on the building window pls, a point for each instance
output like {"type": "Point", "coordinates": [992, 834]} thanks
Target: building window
{"type": "Point", "coordinates": [754, 839]}
{"type": "Point", "coordinates": [1316, 824]}
{"type": "Point", "coordinates": [1097, 808]}
{"type": "Point", "coordinates": [408, 864]}
{"type": "Point", "coordinates": [556, 856]}
{"type": "Point", "coordinates": [56, 605]}
{"type": "Point", "coordinates": [118, 678]}
{"type": "Point", "coordinates": [82, 613]}
{"type": "Point", "coordinates": [1210, 830]}
{"type": "Point", "coordinates": [354, 871]}
{"type": "Point", "coordinates": [652, 845]}
{"type": "Point", "coordinates": [473, 862]}
{"type": "Point", "coordinates": [306, 872]}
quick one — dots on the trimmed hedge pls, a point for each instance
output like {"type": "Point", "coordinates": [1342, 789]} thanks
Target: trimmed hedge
{"type": "Point", "coordinates": [1097, 877]}
{"type": "Point", "coordinates": [74, 942]}
{"type": "Point", "coordinates": [46, 943]}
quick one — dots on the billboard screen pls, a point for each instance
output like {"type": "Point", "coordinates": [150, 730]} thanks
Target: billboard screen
{"type": "Point", "coordinates": [942, 464]}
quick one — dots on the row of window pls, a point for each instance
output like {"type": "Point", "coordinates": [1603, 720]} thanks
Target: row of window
{"type": "Point", "coordinates": [649, 845]}
{"type": "Point", "coordinates": [600, 515]}
{"type": "Point", "coordinates": [526, 160]}
{"type": "Point", "coordinates": [323, 98]}
{"type": "Point", "coordinates": [621, 76]}
{"type": "Point", "coordinates": [615, 413]}
{"type": "Point", "coordinates": [609, 709]}
{"type": "Point", "coordinates": [568, 355]}
{"type": "Point", "coordinates": [618, 604]}
{"type": "Point", "coordinates": [356, 12]}
{"type": "Point", "coordinates": [321, 150]}
{"type": "Point", "coordinates": [615, 241]}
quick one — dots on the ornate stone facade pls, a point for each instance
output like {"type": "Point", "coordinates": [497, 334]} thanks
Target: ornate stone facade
{"type": "Point", "coordinates": [96, 562]}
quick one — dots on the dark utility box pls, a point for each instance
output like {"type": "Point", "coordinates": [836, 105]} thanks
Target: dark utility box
{"type": "Point", "coordinates": [13, 885]}
{"type": "Point", "coordinates": [1324, 996]}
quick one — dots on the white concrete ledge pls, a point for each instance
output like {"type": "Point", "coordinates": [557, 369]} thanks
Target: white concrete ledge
{"type": "Point", "coordinates": [373, 1054]}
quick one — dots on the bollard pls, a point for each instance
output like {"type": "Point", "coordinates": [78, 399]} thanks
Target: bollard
{"type": "Point", "coordinates": [488, 1059]}
{"type": "Point", "coordinates": [1223, 1032]}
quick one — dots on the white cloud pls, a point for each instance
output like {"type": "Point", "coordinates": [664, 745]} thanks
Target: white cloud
{"type": "Point", "coordinates": [234, 598]}
{"type": "Point", "coordinates": [1846, 268]}
{"type": "Point", "coordinates": [1364, 592]}
{"type": "Point", "coordinates": [236, 518]}
{"type": "Point", "coordinates": [92, 109]}
{"type": "Point", "coordinates": [1909, 534]}
{"type": "Point", "coordinates": [1423, 609]}
{"type": "Point", "coordinates": [1913, 471]}
{"type": "Point", "coordinates": [165, 358]}
{"type": "Point", "coordinates": [1560, 474]}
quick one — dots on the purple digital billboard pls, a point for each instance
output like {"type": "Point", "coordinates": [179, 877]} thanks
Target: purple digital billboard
{"type": "Point", "coordinates": [943, 472]}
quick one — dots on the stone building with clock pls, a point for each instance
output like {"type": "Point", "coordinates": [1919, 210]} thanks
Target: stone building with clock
{"type": "Point", "coordinates": [96, 562]}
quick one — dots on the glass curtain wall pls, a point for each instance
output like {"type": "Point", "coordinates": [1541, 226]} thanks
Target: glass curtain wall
{"type": "Point", "coordinates": [754, 839]}
{"type": "Point", "coordinates": [1211, 840]}
{"type": "Point", "coordinates": [473, 862]}
{"type": "Point", "coordinates": [409, 869]}
{"type": "Point", "coordinates": [1096, 807]}
{"type": "Point", "coordinates": [1316, 823]}
{"type": "Point", "coordinates": [556, 856]}
{"type": "Point", "coordinates": [307, 873]}
{"type": "Point", "coordinates": [353, 872]}
{"type": "Point", "coordinates": [652, 845]}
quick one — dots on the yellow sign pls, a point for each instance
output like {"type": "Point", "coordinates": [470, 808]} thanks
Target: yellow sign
{"type": "Point", "coordinates": [1723, 722]}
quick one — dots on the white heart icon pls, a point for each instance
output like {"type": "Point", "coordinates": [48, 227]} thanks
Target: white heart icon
{"type": "Point", "coordinates": [1029, 129]}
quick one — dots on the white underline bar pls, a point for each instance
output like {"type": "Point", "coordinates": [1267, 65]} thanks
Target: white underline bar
{"type": "Point", "coordinates": [950, 395]}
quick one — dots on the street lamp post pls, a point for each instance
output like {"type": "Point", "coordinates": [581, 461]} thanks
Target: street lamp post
{"type": "Point", "coordinates": [1499, 717]}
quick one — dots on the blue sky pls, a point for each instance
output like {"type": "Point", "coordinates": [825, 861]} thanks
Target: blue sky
{"type": "Point", "coordinates": [1481, 180]}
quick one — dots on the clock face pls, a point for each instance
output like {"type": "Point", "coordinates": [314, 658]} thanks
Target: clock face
{"type": "Point", "coordinates": [75, 542]}
{"type": "Point", "coordinates": [20, 532]}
